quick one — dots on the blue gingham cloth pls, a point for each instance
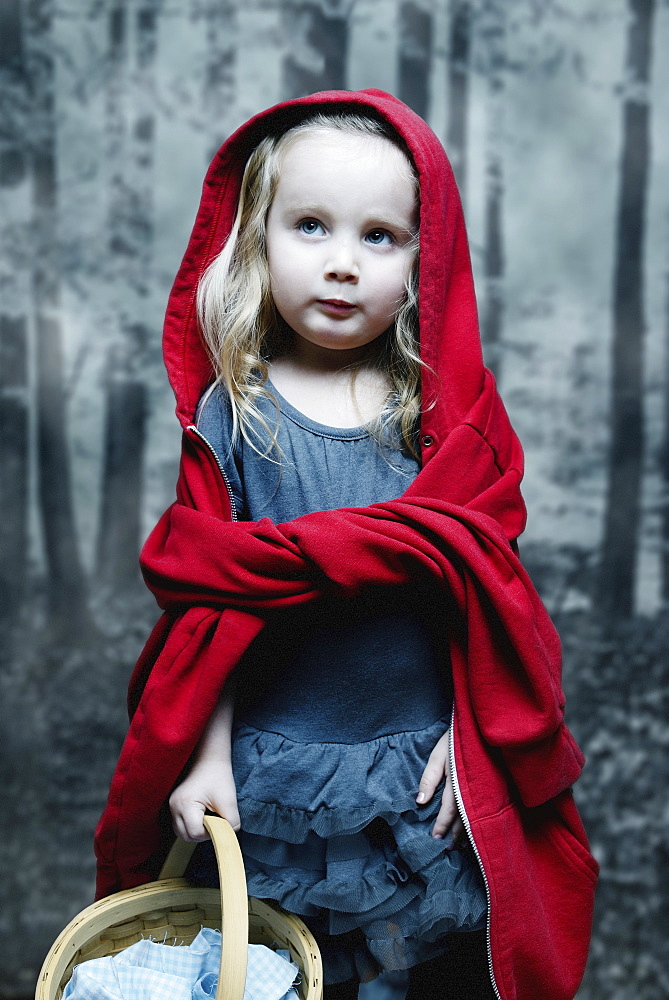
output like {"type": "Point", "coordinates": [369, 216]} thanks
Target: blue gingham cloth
{"type": "Point", "coordinates": [149, 970]}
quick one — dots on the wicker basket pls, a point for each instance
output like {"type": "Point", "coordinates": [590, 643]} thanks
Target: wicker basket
{"type": "Point", "coordinates": [173, 910]}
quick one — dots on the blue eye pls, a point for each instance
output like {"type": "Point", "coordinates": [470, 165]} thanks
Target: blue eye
{"type": "Point", "coordinates": [309, 227]}
{"type": "Point", "coordinates": [377, 237]}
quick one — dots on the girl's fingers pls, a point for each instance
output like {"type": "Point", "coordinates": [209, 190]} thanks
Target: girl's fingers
{"type": "Point", "coordinates": [209, 787]}
{"type": "Point", "coordinates": [223, 800]}
{"type": "Point", "coordinates": [187, 815]}
{"type": "Point", "coordinates": [188, 810]}
{"type": "Point", "coordinates": [228, 810]}
{"type": "Point", "coordinates": [458, 830]}
{"type": "Point", "coordinates": [435, 769]}
{"type": "Point", "coordinates": [447, 815]}
{"type": "Point", "coordinates": [192, 817]}
{"type": "Point", "coordinates": [428, 784]}
{"type": "Point", "coordinates": [177, 819]}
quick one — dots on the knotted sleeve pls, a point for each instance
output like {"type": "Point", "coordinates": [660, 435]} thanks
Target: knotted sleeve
{"type": "Point", "coordinates": [512, 649]}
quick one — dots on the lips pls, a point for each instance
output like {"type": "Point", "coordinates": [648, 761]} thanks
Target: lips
{"type": "Point", "coordinates": [339, 306]}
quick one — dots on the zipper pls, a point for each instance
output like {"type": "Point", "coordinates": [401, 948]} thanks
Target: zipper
{"type": "Point", "coordinates": [233, 504]}
{"type": "Point", "coordinates": [467, 826]}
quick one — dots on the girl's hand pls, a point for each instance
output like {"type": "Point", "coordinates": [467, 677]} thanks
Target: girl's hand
{"type": "Point", "coordinates": [436, 769]}
{"type": "Point", "coordinates": [209, 786]}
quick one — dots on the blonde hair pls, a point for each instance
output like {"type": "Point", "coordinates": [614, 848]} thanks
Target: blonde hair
{"type": "Point", "coordinates": [242, 328]}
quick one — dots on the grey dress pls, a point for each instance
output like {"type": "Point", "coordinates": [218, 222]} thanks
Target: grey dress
{"type": "Point", "coordinates": [338, 706]}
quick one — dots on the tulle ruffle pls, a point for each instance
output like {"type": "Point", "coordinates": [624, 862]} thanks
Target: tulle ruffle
{"type": "Point", "coordinates": [286, 789]}
{"type": "Point", "coordinates": [388, 870]}
{"type": "Point", "coordinates": [332, 832]}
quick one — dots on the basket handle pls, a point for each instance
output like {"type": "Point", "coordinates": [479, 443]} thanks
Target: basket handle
{"type": "Point", "coordinates": [234, 902]}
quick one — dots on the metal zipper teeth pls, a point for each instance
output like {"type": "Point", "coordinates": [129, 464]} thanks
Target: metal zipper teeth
{"type": "Point", "coordinates": [233, 504]}
{"type": "Point", "coordinates": [467, 825]}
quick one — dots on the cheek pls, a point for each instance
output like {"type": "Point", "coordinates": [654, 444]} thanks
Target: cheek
{"type": "Point", "coordinates": [279, 268]}
{"type": "Point", "coordinates": [288, 285]}
{"type": "Point", "coordinates": [287, 262]}
{"type": "Point", "coordinates": [286, 281]}
{"type": "Point", "coordinates": [280, 289]}
{"type": "Point", "coordinates": [391, 289]}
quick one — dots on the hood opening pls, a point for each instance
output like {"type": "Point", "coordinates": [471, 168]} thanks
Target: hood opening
{"type": "Point", "coordinates": [448, 320]}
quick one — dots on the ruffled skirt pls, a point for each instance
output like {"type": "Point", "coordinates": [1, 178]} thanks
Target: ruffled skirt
{"type": "Point", "coordinates": [332, 832]}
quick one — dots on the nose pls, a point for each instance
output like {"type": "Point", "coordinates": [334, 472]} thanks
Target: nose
{"type": "Point", "coordinates": [341, 264]}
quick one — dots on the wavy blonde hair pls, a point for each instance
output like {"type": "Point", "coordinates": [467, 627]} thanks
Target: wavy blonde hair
{"type": "Point", "coordinates": [242, 328]}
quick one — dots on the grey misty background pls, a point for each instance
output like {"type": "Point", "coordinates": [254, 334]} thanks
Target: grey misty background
{"type": "Point", "coordinates": [555, 116]}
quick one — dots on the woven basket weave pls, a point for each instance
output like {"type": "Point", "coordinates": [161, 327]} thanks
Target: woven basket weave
{"type": "Point", "coordinates": [172, 910]}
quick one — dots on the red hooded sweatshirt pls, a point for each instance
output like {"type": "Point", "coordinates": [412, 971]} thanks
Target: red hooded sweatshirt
{"type": "Point", "coordinates": [512, 757]}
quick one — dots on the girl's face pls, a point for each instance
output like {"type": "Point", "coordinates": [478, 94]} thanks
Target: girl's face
{"type": "Point", "coordinates": [339, 234]}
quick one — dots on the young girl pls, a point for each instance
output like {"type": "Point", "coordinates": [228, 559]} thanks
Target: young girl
{"type": "Point", "coordinates": [353, 668]}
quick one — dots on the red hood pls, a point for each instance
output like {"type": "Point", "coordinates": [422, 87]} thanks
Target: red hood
{"type": "Point", "coordinates": [449, 333]}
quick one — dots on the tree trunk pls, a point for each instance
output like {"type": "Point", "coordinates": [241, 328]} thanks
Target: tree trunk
{"type": "Point", "coordinates": [617, 578]}
{"type": "Point", "coordinates": [415, 57]}
{"type": "Point", "coordinates": [131, 129]}
{"type": "Point", "coordinates": [67, 591]}
{"type": "Point", "coordinates": [664, 470]}
{"type": "Point", "coordinates": [219, 69]}
{"type": "Point", "coordinates": [493, 265]}
{"type": "Point", "coordinates": [15, 84]}
{"type": "Point", "coordinates": [14, 466]}
{"type": "Point", "coordinates": [456, 136]}
{"type": "Point", "coordinates": [321, 39]}
{"type": "Point", "coordinates": [493, 258]}
{"type": "Point", "coordinates": [13, 341]}
{"type": "Point", "coordinates": [122, 460]}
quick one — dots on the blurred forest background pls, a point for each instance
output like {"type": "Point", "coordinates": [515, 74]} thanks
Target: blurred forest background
{"type": "Point", "coordinates": [555, 115]}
